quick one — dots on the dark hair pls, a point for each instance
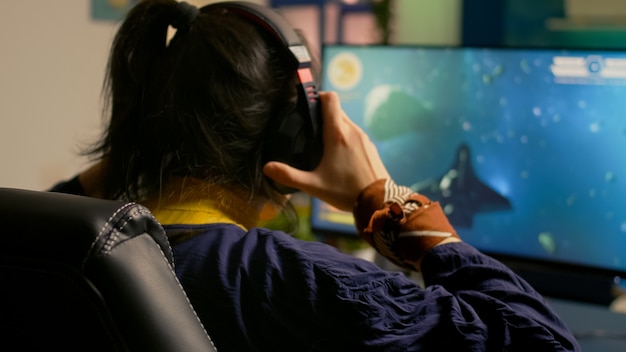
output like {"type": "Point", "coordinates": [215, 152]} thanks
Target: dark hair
{"type": "Point", "coordinates": [196, 106]}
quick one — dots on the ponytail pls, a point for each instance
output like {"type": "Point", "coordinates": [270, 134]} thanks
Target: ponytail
{"type": "Point", "coordinates": [137, 47]}
{"type": "Point", "coordinates": [140, 39]}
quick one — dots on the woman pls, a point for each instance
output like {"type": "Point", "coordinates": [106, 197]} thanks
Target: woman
{"type": "Point", "coordinates": [190, 121]}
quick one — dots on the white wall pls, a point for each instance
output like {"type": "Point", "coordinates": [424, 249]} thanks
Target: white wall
{"type": "Point", "coordinates": [51, 69]}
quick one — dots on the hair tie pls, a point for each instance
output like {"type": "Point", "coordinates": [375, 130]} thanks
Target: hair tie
{"type": "Point", "coordinates": [185, 15]}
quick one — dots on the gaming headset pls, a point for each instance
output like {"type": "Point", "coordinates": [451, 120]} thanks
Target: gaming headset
{"type": "Point", "coordinates": [296, 140]}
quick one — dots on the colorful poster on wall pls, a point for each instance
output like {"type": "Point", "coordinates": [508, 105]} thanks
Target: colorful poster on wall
{"type": "Point", "coordinates": [110, 10]}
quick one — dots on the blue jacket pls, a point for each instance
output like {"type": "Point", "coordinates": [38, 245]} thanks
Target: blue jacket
{"type": "Point", "coordinates": [263, 290]}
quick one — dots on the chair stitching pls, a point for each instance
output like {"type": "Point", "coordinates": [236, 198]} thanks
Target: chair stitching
{"type": "Point", "coordinates": [108, 247]}
{"type": "Point", "coordinates": [169, 246]}
{"type": "Point", "coordinates": [171, 271]}
{"type": "Point", "coordinates": [103, 229]}
{"type": "Point", "coordinates": [141, 211]}
{"type": "Point", "coordinates": [187, 299]}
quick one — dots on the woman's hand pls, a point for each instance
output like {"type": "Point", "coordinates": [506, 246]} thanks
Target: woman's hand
{"type": "Point", "coordinates": [349, 164]}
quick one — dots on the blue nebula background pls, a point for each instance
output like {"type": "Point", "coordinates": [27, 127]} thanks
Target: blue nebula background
{"type": "Point", "coordinates": [555, 147]}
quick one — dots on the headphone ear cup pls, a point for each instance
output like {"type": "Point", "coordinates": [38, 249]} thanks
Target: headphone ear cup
{"type": "Point", "coordinates": [295, 139]}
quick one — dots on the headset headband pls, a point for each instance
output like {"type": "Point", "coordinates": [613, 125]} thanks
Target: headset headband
{"type": "Point", "coordinates": [295, 140]}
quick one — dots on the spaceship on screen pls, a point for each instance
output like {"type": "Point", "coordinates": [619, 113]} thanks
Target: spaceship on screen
{"type": "Point", "coordinates": [461, 193]}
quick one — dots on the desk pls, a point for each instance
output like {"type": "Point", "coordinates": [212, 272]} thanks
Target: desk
{"type": "Point", "coordinates": [596, 327]}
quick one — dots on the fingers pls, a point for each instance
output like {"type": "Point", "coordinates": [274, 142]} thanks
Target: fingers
{"type": "Point", "coordinates": [350, 161]}
{"type": "Point", "coordinates": [278, 172]}
{"type": "Point", "coordinates": [330, 102]}
{"type": "Point", "coordinates": [332, 114]}
{"type": "Point", "coordinates": [287, 175]}
{"type": "Point", "coordinates": [291, 177]}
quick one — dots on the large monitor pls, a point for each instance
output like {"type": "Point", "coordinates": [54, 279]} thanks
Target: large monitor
{"type": "Point", "coordinates": [524, 148]}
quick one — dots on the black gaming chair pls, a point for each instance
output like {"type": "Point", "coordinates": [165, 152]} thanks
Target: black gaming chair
{"type": "Point", "coordinates": [84, 274]}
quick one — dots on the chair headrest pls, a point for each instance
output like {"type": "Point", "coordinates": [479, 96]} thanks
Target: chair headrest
{"type": "Point", "coordinates": [56, 219]}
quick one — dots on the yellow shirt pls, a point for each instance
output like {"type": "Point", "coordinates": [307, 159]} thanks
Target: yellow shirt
{"type": "Point", "coordinates": [193, 202]}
